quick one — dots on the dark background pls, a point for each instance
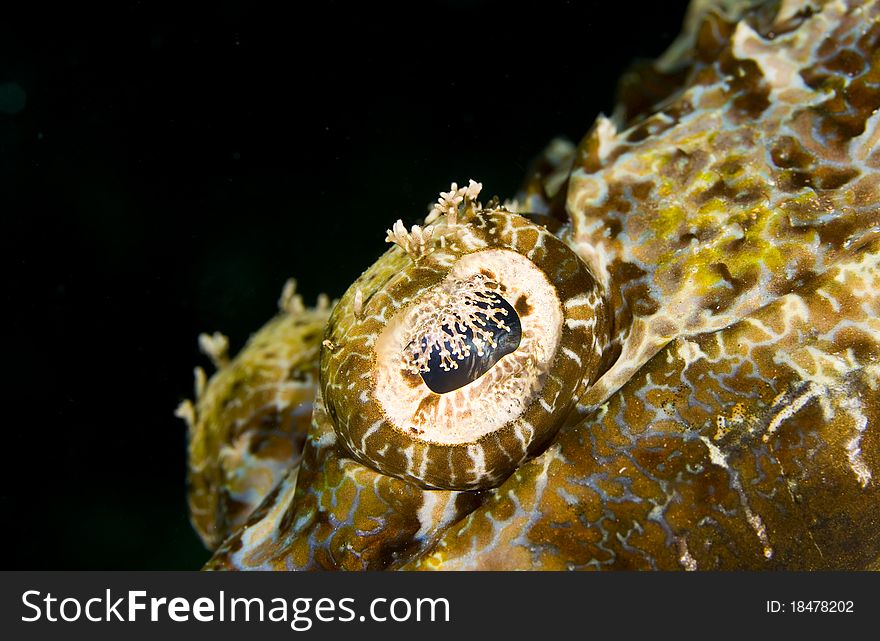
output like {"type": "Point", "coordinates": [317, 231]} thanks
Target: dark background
{"type": "Point", "coordinates": [162, 172]}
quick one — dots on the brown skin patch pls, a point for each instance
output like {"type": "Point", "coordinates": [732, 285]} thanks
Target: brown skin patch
{"type": "Point", "coordinates": [618, 199]}
{"type": "Point", "coordinates": [712, 34]}
{"type": "Point", "coordinates": [413, 380]}
{"type": "Point", "coordinates": [522, 306]}
{"type": "Point", "coordinates": [728, 290]}
{"type": "Point", "coordinates": [641, 190]}
{"type": "Point", "coordinates": [793, 180]}
{"type": "Point", "coordinates": [834, 178]}
{"type": "Point", "coordinates": [747, 88]}
{"type": "Point", "coordinates": [425, 410]}
{"type": "Point", "coordinates": [684, 166]}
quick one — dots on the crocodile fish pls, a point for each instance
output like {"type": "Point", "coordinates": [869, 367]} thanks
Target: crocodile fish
{"type": "Point", "coordinates": [662, 354]}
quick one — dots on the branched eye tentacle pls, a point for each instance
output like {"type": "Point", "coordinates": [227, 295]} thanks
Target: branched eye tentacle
{"type": "Point", "coordinates": [471, 307]}
{"type": "Point", "coordinates": [416, 242]}
{"type": "Point", "coordinates": [450, 202]}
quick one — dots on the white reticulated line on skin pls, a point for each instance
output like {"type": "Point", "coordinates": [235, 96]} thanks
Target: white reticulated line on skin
{"type": "Point", "coordinates": [478, 457]}
{"type": "Point", "coordinates": [587, 191]}
{"type": "Point", "coordinates": [597, 256]}
{"type": "Point", "coordinates": [715, 454]}
{"type": "Point", "coordinates": [437, 509]}
{"type": "Point", "coordinates": [684, 556]}
{"type": "Point", "coordinates": [408, 454]}
{"type": "Point", "coordinates": [540, 482]}
{"type": "Point", "coordinates": [327, 438]}
{"type": "Point", "coordinates": [589, 324]}
{"type": "Point", "coordinates": [690, 352]}
{"type": "Point", "coordinates": [812, 391]}
{"type": "Point", "coordinates": [825, 371]}
{"type": "Point", "coordinates": [588, 300]}
{"type": "Point", "coordinates": [872, 376]}
{"type": "Point", "coordinates": [572, 355]}
{"type": "Point", "coordinates": [861, 272]}
{"type": "Point", "coordinates": [370, 431]}
{"type": "Point", "coordinates": [853, 407]}
{"type": "Point", "coordinates": [780, 69]}
{"type": "Point", "coordinates": [758, 525]}
{"type": "Point", "coordinates": [835, 304]}
{"type": "Point", "coordinates": [501, 394]}
{"type": "Point", "coordinates": [754, 520]}
{"type": "Point", "coordinates": [267, 527]}
{"type": "Point", "coordinates": [525, 432]}
{"type": "Point", "coordinates": [539, 244]}
{"type": "Point", "coordinates": [863, 145]}
{"type": "Point", "coordinates": [871, 326]}
{"type": "Point", "coordinates": [423, 465]}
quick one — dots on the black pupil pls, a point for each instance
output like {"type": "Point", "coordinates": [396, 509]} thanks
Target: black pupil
{"type": "Point", "coordinates": [472, 367]}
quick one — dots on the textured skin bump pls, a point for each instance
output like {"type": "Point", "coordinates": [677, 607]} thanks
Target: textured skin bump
{"type": "Point", "coordinates": [729, 211]}
{"type": "Point", "coordinates": [248, 425]}
{"type": "Point", "coordinates": [395, 281]}
{"type": "Point", "coordinates": [752, 178]}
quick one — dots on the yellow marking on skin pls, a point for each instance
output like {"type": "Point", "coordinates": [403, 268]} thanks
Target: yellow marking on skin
{"type": "Point", "coordinates": [757, 250]}
{"type": "Point", "coordinates": [668, 221]}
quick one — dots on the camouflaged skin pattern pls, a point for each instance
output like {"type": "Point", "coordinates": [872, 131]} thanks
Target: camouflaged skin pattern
{"type": "Point", "coordinates": [339, 514]}
{"type": "Point", "coordinates": [745, 448]}
{"type": "Point", "coordinates": [735, 230]}
{"type": "Point", "coordinates": [248, 425]}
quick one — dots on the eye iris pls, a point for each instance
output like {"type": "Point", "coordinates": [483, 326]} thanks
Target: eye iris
{"type": "Point", "coordinates": [480, 355]}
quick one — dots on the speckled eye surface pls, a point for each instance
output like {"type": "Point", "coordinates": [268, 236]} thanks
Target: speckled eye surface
{"type": "Point", "coordinates": [465, 344]}
{"type": "Point", "coordinates": [452, 361]}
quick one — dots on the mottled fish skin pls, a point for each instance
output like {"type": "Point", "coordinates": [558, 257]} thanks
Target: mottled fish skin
{"type": "Point", "coordinates": [753, 447]}
{"type": "Point", "coordinates": [756, 176]}
{"type": "Point", "coordinates": [728, 212]}
{"type": "Point", "coordinates": [248, 424]}
{"type": "Point", "coordinates": [335, 513]}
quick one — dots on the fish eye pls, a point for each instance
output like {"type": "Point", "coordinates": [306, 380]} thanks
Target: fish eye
{"type": "Point", "coordinates": [458, 354]}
